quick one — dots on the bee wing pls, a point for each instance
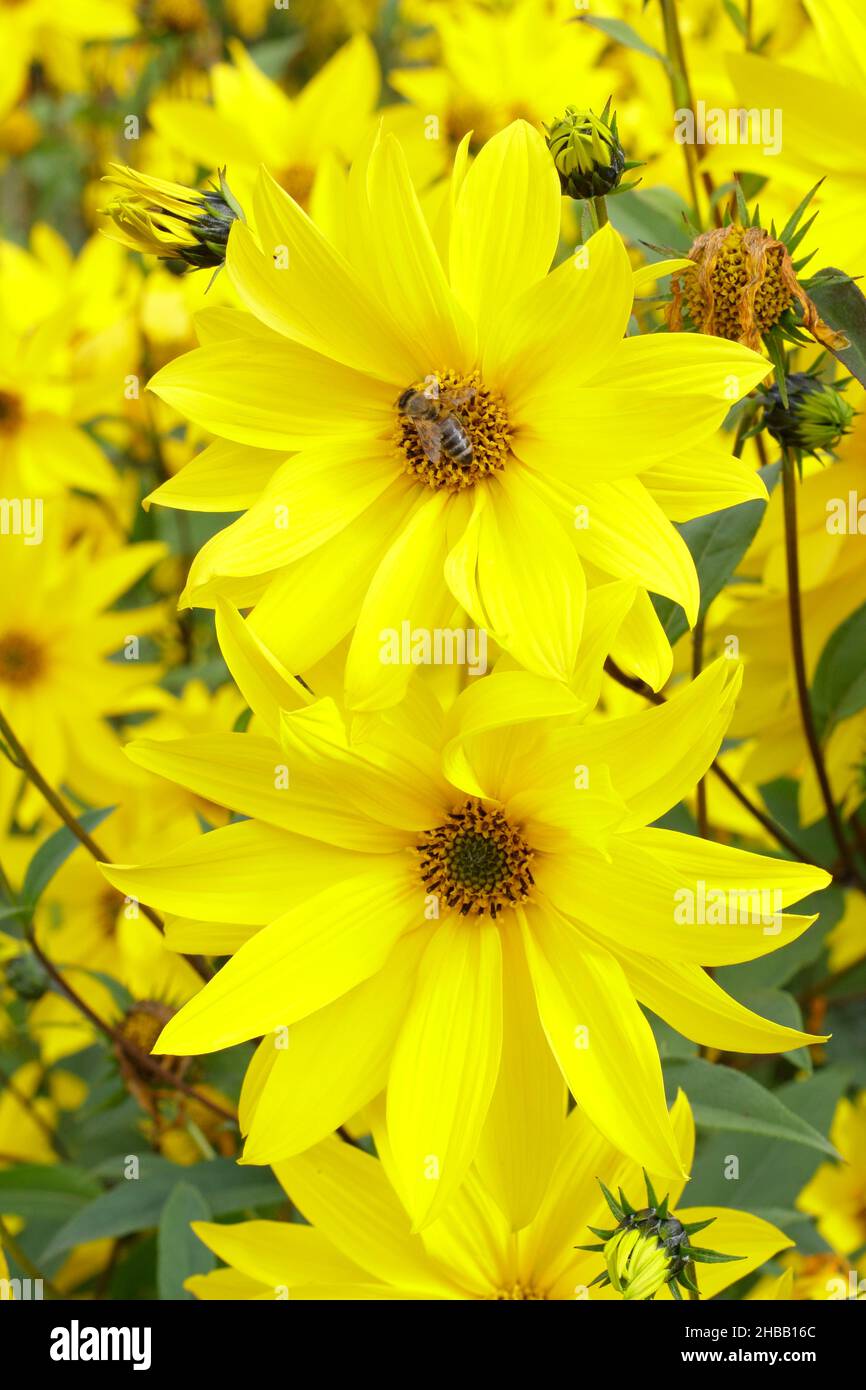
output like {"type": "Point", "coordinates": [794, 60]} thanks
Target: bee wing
{"type": "Point", "coordinates": [430, 435]}
{"type": "Point", "coordinates": [453, 400]}
{"type": "Point", "coordinates": [431, 388]}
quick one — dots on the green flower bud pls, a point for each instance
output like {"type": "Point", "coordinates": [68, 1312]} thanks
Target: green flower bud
{"type": "Point", "coordinates": [817, 416]}
{"type": "Point", "coordinates": [171, 221]}
{"type": "Point", "coordinates": [589, 159]}
{"type": "Point", "coordinates": [26, 976]}
{"type": "Point", "coordinates": [650, 1248]}
{"type": "Point", "coordinates": [637, 1263]}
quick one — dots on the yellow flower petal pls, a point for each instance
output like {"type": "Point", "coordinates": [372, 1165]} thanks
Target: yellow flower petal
{"type": "Point", "coordinates": [224, 477]}
{"type": "Point", "coordinates": [732, 1233]}
{"type": "Point", "coordinates": [335, 1063]}
{"type": "Point", "coordinates": [278, 1253]}
{"type": "Point", "coordinates": [345, 1194]}
{"type": "Point", "coordinates": [316, 952]}
{"type": "Point", "coordinates": [687, 998]}
{"type": "Point", "coordinates": [408, 587]}
{"type": "Point", "coordinates": [524, 1128]}
{"type": "Point", "coordinates": [250, 775]}
{"type": "Point", "coordinates": [559, 330]}
{"type": "Point", "coordinates": [249, 872]}
{"type": "Point", "coordinates": [600, 1039]}
{"type": "Point", "coordinates": [535, 611]}
{"type": "Point", "coordinates": [445, 1064]}
{"type": "Point", "coordinates": [242, 394]}
{"type": "Point", "coordinates": [506, 222]}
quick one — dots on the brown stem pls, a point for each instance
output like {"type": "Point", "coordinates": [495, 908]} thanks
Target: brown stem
{"type": "Point", "coordinates": [135, 1054]}
{"type": "Point", "coordinates": [141, 1059]}
{"type": "Point", "coordinates": [23, 760]}
{"type": "Point", "coordinates": [795, 616]}
{"type": "Point", "coordinates": [771, 826]}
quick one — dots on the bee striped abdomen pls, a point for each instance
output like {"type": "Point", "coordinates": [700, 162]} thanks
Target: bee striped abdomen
{"type": "Point", "coordinates": [456, 442]}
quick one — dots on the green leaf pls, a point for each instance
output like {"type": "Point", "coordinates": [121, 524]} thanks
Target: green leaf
{"type": "Point", "coordinates": [736, 16]}
{"type": "Point", "coordinates": [839, 684]}
{"type": "Point", "coordinates": [38, 1192]}
{"type": "Point", "coordinates": [724, 1099]}
{"type": "Point", "coordinates": [15, 910]}
{"type": "Point", "coordinates": [769, 1174]}
{"type": "Point", "coordinates": [672, 1045]}
{"type": "Point", "coordinates": [180, 1252]}
{"type": "Point", "coordinates": [51, 855]}
{"type": "Point", "coordinates": [274, 55]}
{"type": "Point", "coordinates": [136, 1204]}
{"type": "Point", "coordinates": [842, 305]}
{"type": "Point", "coordinates": [623, 33]}
{"type": "Point", "coordinates": [718, 543]}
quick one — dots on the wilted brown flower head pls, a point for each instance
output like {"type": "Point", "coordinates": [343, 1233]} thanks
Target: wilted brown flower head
{"type": "Point", "coordinates": [742, 282]}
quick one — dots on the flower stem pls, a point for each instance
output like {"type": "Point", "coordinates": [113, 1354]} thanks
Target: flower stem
{"type": "Point", "coordinates": [681, 91]}
{"type": "Point", "coordinates": [795, 616]}
{"type": "Point", "coordinates": [600, 207]}
{"type": "Point", "coordinates": [142, 1059]}
{"type": "Point", "coordinates": [22, 759]}
{"type": "Point", "coordinates": [9, 1243]}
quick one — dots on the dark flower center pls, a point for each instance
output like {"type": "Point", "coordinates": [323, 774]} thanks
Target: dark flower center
{"type": "Point", "coordinates": [21, 659]}
{"type": "Point", "coordinates": [476, 862]}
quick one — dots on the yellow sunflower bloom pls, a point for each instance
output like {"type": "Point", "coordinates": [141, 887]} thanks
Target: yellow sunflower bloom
{"type": "Point", "coordinates": [360, 1243]}
{"type": "Point", "coordinates": [813, 1278]}
{"type": "Point", "coordinates": [496, 65]}
{"type": "Point", "coordinates": [847, 941]}
{"type": "Point", "coordinates": [57, 635]}
{"type": "Point", "coordinates": [487, 881]}
{"type": "Point", "coordinates": [27, 1118]}
{"type": "Point", "coordinates": [568, 426]}
{"type": "Point", "coordinates": [302, 140]}
{"type": "Point", "coordinates": [836, 1195]}
{"type": "Point", "coordinates": [66, 342]}
{"type": "Point", "coordinates": [38, 30]}
{"type": "Point", "coordinates": [831, 81]}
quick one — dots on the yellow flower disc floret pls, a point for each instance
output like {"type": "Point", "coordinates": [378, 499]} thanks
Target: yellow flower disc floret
{"type": "Point", "coordinates": [477, 862]}
{"type": "Point", "coordinates": [482, 414]}
{"type": "Point", "coordinates": [519, 1292]}
{"type": "Point", "coordinates": [738, 287]}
